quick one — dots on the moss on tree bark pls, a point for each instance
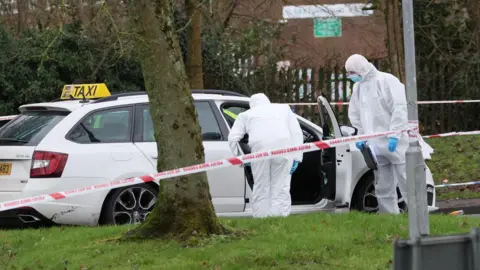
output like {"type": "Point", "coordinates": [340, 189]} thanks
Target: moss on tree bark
{"type": "Point", "coordinates": [184, 208]}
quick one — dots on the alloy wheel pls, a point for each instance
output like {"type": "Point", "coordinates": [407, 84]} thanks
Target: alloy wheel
{"type": "Point", "coordinates": [133, 205]}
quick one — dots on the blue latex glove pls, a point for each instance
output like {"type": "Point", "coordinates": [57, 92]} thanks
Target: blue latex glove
{"type": "Point", "coordinates": [392, 144]}
{"type": "Point", "coordinates": [247, 164]}
{"type": "Point", "coordinates": [360, 145]}
{"type": "Point", "coordinates": [294, 167]}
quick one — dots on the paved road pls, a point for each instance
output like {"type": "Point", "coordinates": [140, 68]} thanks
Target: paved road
{"type": "Point", "coordinates": [469, 206]}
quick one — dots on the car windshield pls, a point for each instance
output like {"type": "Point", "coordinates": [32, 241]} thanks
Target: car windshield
{"type": "Point", "coordinates": [30, 127]}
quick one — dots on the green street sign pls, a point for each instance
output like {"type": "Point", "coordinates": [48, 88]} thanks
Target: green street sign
{"type": "Point", "coordinates": [327, 27]}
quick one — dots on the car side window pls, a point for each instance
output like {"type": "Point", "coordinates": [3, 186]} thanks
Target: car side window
{"type": "Point", "coordinates": [106, 126]}
{"type": "Point", "coordinates": [208, 123]}
{"type": "Point", "coordinates": [231, 111]}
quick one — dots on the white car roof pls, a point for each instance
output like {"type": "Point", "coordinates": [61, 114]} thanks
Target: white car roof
{"type": "Point", "coordinates": [72, 105]}
{"type": "Point", "coordinates": [69, 105]}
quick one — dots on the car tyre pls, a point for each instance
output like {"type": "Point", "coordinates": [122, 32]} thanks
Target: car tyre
{"type": "Point", "coordinates": [129, 205]}
{"type": "Point", "coordinates": [364, 198]}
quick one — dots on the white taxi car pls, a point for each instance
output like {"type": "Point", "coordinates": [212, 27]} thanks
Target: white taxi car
{"type": "Point", "coordinates": [67, 144]}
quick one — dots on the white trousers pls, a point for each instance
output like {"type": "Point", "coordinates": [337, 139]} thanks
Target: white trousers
{"type": "Point", "coordinates": [387, 177]}
{"type": "Point", "coordinates": [271, 189]}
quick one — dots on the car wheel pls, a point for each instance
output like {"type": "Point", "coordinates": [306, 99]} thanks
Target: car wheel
{"type": "Point", "coordinates": [129, 205]}
{"type": "Point", "coordinates": [365, 200]}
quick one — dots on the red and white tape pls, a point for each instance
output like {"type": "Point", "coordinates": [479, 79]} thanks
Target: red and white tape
{"type": "Point", "coordinates": [234, 161]}
{"type": "Point", "coordinates": [449, 101]}
{"type": "Point", "coordinates": [458, 184]}
{"type": "Point", "coordinates": [451, 134]}
{"type": "Point", "coordinates": [418, 102]}
{"type": "Point", "coordinates": [9, 117]}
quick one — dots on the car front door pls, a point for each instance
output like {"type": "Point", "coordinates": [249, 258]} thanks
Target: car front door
{"type": "Point", "coordinates": [314, 178]}
{"type": "Point", "coordinates": [340, 165]}
{"type": "Point", "coordinates": [226, 186]}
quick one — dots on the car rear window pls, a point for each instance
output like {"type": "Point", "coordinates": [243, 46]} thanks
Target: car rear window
{"type": "Point", "coordinates": [30, 127]}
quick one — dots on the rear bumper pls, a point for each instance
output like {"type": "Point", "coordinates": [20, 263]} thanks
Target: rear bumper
{"type": "Point", "coordinates": [22, 218]}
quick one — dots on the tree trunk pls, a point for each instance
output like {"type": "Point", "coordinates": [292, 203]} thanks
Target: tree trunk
{"type": "Point", "coordinates": [22, 10]}
{"type": "Point", "coordinates": [194, 44]}
{"type": "Point", "coordinates": [474, 12]}
{"type": "Point", "coordinates": [393, 21]}
{"type": "Point", "coordinates": [184, 208]}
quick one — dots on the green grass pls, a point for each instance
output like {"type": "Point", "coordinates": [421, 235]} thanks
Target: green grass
{"type": "Point", "coordinates": [310, 241]}
{"type": "Point", "coordinates": [458, 160]}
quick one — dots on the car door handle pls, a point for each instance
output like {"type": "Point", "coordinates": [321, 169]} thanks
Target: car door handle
{"type": "Point", "coordinates": [155, 157]}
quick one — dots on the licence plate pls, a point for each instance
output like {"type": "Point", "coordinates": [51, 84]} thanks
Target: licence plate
{"type": "Point", "coordinates": [5, 168]}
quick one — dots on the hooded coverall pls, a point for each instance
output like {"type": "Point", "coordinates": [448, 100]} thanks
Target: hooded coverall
{"type": "Point", "coordinates": [269, 126]}
{"type": "Point", "coordinates": [378, 104]}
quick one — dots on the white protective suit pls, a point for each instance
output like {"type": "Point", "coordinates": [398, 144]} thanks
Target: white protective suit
{"type": "Point", "coordinates": [269, 126]}
{"type": "Point", "coordinates": [378, 104]}
{"type": "Point", "coordinates": [427, 151]}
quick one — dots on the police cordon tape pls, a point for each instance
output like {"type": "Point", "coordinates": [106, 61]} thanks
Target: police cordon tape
{"type": "Point", "coordinates": [10, 117]}
{"type": "Point", "coordinates": [233, 161]}
{"type": "Point", "coordinates": [418, 102]}
{"type": "Point", "coordinates": [458, 184]}
{"type": "Point", "coordinates": [451, 134]}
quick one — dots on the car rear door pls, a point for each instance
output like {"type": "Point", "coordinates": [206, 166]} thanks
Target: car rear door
{"type": "Point", "coordinates": [226, 184]}
{"type": "Point", "coordinates": [101, 145]}
{"type": "Point", "coordinates": [18, 140]}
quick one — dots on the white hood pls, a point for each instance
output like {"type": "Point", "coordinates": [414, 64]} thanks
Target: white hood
{"type": "Point", "coordinates": [258, 99]}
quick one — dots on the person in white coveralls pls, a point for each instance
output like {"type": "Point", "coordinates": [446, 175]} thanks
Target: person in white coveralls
{"type": "Point", "coordinates": [269, 126]}
{"type": "Point", "coordinates": [378, 104]}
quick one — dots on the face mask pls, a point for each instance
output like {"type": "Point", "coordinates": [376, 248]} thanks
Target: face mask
{"type": "Point", "coordinates": [355, 78]}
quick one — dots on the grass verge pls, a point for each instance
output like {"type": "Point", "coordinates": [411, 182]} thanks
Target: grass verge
{"type": "Point", "coordinates": [310, 241]}
{"type": "Point", "coordinates": [456, 159]}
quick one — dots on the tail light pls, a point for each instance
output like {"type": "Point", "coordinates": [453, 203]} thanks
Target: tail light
{"type": "Point", "coordinates": [48, 164]}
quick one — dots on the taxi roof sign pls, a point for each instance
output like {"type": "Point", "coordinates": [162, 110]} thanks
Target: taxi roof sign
{"type": "Point", "coordinates": [85, 91]}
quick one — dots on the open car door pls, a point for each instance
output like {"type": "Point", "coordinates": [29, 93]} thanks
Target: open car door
{"type": "Point", "coordinates": [328, 160]}
{"type": "Point", "coordinates": [336, 162]}
{"type": "Point", "coordinates": [310, 183]}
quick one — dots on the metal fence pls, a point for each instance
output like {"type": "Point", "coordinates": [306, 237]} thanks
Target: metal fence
{"type": "Point", "coordinates": [305, 85]}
